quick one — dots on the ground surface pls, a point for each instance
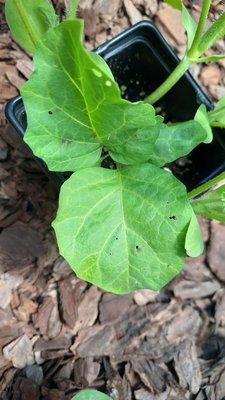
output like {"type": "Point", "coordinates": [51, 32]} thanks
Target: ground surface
{"type": "Point", "coordinates": [58, 334]}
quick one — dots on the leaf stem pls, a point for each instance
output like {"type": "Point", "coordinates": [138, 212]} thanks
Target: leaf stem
{"type": "Point", "coordinates": [194, 52]}
{"type": "Point", "coordinates": [72, 9]}
{"type": "Point", "coordinates": [172, 79]}
{"type": "Point", "coordinates": [206, 186]}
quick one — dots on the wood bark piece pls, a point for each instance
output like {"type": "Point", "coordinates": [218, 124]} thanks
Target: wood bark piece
{"type": "Point", "coordinates": [21, 242]}
{"type": "Point", "coordinates": [210, 75]}
{"type": "Point", "coordinates": [188, 368]}
{"type": "Point", "coordinates": [154, 377]}
{"type": "Point", "coordinates": [133, 14]}
{"type": "Point", "coordinates": [68, 303]}
{"type": "Point", "coordinates": [137, 335]}
{"type": "Point", "coordinates": [8, 282]}
{"type": "Point", "coordinates": [216, 255]}
{"type": "Point", "coordinates": [107, 7]}
{"type": "Point", "coordinates": [220, 308]}
{"type": "Point", "coordinates": [88, 309]}
{"type": "Point", "coordinates": [170, 18]}
{"type": "Point", "coordinates": [113, 307]}
{"type": "Point", "coordinates": [143, 394]}
{"type": "Point", "coordinates": [20, 352]}
{"type": "Point", "coordinates": [47, 319]}
{"type": "Point", "coordinates": [24, 389]}
{"type": "Point", "coordinates": [216, 388]}
{"type": "Point", "coordinates": [25, 67]}
{"type": "Point", "coordinates": [197, 283]}
{"type": "Point", "coordinates": [143, 297]}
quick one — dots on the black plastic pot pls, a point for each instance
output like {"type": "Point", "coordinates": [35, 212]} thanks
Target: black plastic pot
{"type": "Point", "coordinates": [140, 60]}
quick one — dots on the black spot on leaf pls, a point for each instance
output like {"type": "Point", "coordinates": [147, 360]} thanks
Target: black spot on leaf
{"type": "Point", "coordinates": [116, 238]}
{"type": "Point", "coordinates": [50, 112]}
{"type": "Point", "coordinates": [173, 217]}
{"type": "Point", "coordinates": [138, 249]}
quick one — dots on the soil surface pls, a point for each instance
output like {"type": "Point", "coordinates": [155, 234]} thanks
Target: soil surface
{"type": "Point", "coordinates": [59, 334]}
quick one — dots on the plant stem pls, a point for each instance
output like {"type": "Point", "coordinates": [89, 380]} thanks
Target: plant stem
{"type": "Point", "coordinates": [182, 67]}
{"type": "Point", "coordinates": [216, 125]}
{"type": "Point", "coordinates": [206, 186]}
{"type": "Point", "coordinates": [172, 79]}
{"type": "Point", "coordinates": [193, 52]}
{"type": "Point", "coordinates": [72, 9]}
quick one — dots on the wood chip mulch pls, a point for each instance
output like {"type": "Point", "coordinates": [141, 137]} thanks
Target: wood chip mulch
{"type": "Point", "coordinates": [58, 334]}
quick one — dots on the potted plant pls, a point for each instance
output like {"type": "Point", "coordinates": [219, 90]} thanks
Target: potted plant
{"type": "Point", "coordinates": [124, 221]}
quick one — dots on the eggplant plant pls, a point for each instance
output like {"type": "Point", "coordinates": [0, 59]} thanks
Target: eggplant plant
{"type": "Point", "coordinates": [131, 226]}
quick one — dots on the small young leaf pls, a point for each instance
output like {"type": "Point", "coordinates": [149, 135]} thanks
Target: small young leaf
{"type": "Point", "coordinates": [29, 20]}
{"type": "Point", "coordinates": [78, 107]}
{"type": "Point", "coordinates": [123, 230]}
{"type": "Point", "coordinates": [90, 394]}
{"type": "Point", "coordinates": [187, 20]}
{"type": "Point", "coordinates": [217, 116]}
{"type": "Point", "coordinates": [211, 204]}
{"type": "Point", "coordinates": [175, 141]}
{"type": "Point", "coordinates": [202, 117]}
{"type": "Point", "coordinates": [194, 243]}
{"type": "Point", "coordinates": [213, 34]}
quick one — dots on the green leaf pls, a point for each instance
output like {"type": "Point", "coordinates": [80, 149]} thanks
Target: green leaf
{"type": "Point", "coordinates": [217, 116]}
{"type": "Point", "coordinates": [28, 20]}
{"type": "Point", "coordinates": [123, 230]}
{"type": "Point", "coordinates": [90, 394]}
{"type": "Point", "coordinates": [213, 34]}
{"type": "Point", "coordinates": [177, 140]}
{"type": "Point", "coordinates": [132, 140]}
{"type": "Point", "coordinates": [78, 107]}
{"type": "Point", "coordinates": [194, 243]}
{"type": "Point", "coordinates": [202, 117]}
{"type": "Point", "coordinates": [187, 20]}
{"type": "Point", "coordinates": [211, 204]}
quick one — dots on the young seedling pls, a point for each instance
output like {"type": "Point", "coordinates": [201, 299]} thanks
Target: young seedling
{"type": "Point", "coordinates": [130, 227]}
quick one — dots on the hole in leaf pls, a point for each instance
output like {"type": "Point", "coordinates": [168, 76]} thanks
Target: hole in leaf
{"type": "Point", "coordinates": [173, 217]}
{"type": "Point", "coordinates": [67, 141]}
{"type": "Point", "coordinates": [138, 249]}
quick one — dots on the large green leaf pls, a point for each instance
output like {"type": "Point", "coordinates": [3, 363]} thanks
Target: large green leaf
{"type": "Point", "coordinates": [187, 20]}
{"type": "Point", "coordinates": [124, 229]}
{"type": "Point", "coordinates": [211, 204]}
{"type": "Point", "coordinates": [90, 394]}
{"type": "Point", "coordinates": [74, 106]}
{"type": "Point", "coordinates": [213, 34]}
{"type": "Point", "coordinates": [217, 116]}
{"type": "Point", "coordinates": [176, 140]}
{"type": "Point", "coordinates": [29, 20]}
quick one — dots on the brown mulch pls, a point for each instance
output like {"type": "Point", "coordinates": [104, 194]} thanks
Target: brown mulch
{"type": "Point", "coordinates": [58, 334]}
